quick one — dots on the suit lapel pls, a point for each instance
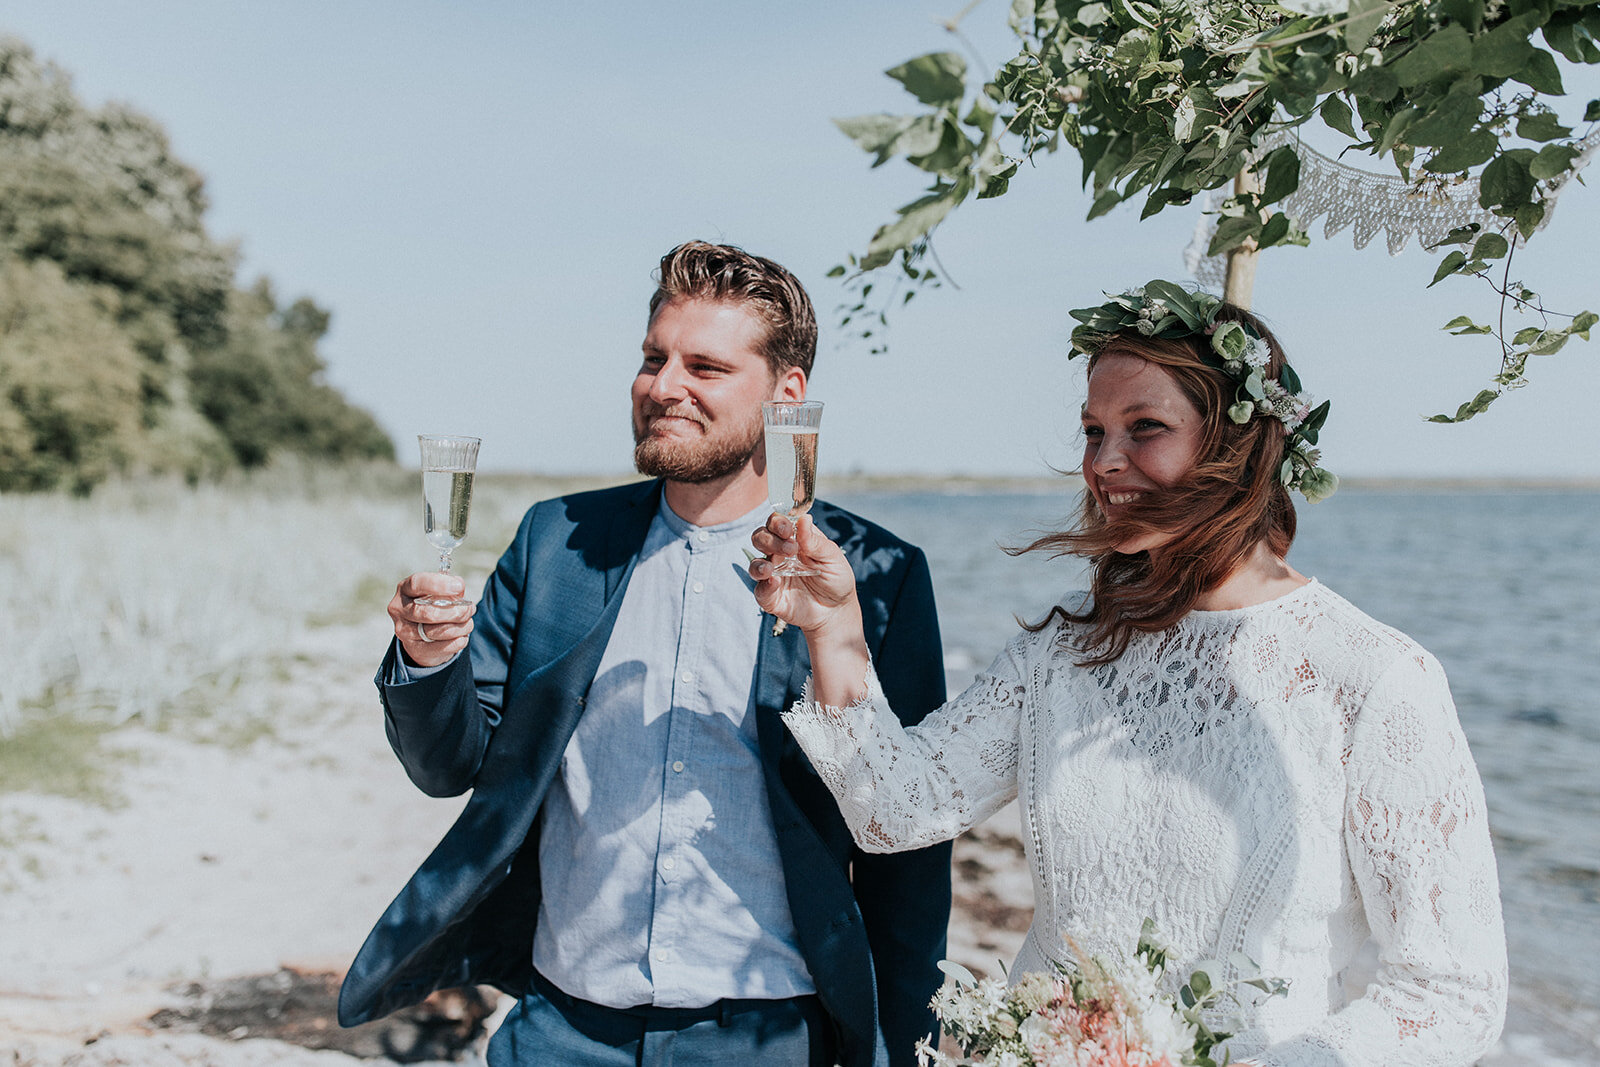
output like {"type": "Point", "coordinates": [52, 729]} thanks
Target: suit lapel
{"type": "Point", "coordinates": [628, 531]}
{"type": "Point", "coordinates": [538, 751]}
{"type": "Point", "coordinates": [780, 663]}
{"type": "Point", "coordinates": [827, 923]}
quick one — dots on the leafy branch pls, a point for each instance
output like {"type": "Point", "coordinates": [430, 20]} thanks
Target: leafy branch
{"type": "Point", "coordinates": [1165, 99]}
{"type": "Point", "coordinates": [1515, 350]}
{"type": "Point", "coordinates": [869, 321]}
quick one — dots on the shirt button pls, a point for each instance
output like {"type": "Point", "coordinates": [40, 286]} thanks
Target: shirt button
{"type": "Point", "coordinates": [662, 955]}
{"type": "Point", "coordinates": [677, 765]}
{"type": "Point", "coordinates": [699, 587]}
{"type": "Point", "coordinates": [702, 537]}
{"type": "Point", "coordinates": [686, 677]}
{"type": "Point", "coordinates": [668, 863]}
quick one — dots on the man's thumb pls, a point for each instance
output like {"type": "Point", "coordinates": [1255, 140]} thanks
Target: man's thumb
{"type": "Point", "coordinates": [810, 539]}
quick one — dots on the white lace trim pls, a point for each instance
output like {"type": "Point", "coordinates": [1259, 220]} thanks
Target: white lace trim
{"type": "Point", "coordinates": [1366, 202]}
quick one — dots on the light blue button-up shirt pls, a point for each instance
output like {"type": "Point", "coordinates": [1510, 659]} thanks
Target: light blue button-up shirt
{"type": "Point", "coordinates": [660, 868]}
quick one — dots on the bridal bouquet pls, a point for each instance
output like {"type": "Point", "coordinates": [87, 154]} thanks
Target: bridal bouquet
{"type": "Point", "coordinates": [1099, 1014]}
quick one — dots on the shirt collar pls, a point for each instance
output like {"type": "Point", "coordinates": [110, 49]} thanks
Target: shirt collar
{"type": "Point", "coordinates": [720, 534]}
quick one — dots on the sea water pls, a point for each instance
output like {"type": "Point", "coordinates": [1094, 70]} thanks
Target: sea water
{"type": "Point", "coordinates": [1502, 586]}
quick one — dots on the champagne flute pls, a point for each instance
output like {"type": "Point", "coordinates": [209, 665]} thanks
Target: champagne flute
{"type": "Point", "coordinates": [791, 429]}
{"type": "Point", "coordinates": [448, 465]}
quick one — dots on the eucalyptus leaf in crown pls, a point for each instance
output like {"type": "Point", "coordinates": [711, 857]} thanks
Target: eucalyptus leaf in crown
{"type": "Point", "coordinates": [1168, 311]}
{"type": "Point", "coordinates": [1164, 99]}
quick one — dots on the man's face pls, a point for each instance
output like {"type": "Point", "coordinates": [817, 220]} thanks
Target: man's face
{"type": "Point", "coordinates": [697, 397]}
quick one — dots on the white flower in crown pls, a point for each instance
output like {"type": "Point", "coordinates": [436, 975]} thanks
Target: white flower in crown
{"type": "Point", "coordinates": [1256, 353]}
{"type": "Point", "coordinates": [1289, 408]}
{"type": "Point", "coordinates": [1149, 315]}
{"type": "Point", "coordinates": [1230, 341]}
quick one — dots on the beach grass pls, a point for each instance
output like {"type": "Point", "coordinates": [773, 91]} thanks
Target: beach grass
{"type": "Point", "coordinates": [183, 608]}
{"type": "Point", "coordinates": [152, 600]}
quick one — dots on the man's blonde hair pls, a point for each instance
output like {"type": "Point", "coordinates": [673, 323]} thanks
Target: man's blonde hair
{"type": "Point", "coordinates": [699, 270]}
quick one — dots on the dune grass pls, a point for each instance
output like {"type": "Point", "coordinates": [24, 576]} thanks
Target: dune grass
{"type": "Point", "coordinates": [146, 600]}
{"type": "Point", "coordinates": [180, 607]}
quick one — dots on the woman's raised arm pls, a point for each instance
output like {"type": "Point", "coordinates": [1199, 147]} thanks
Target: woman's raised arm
{"type": "Point", "coordinates": [898, 788]}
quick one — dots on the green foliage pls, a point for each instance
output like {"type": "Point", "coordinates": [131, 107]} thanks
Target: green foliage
{"type": "Point", "coordinates": [262, 387]}
{"type": "Point", "coordinates": [69, 382]}
{"type": "Point", "coordinates": [55, 755]}
{"type": "Point", "coordinates": [124, 344]}
{"type": "Point", "coordinates": [1542, 340]}
{"type": "Point", "coordinates": [1200, 995]}
{"type": "Point", "coordinates": [1165, 99]}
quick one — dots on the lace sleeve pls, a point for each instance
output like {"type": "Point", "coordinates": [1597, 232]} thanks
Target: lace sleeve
{"type": "Point", "coordinates": [902, 788]}
{"type": "Point", "coordinates": [1417, 837]}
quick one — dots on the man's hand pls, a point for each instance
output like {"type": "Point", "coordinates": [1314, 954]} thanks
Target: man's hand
{"type": "Point", "coordinates": [428, 635]}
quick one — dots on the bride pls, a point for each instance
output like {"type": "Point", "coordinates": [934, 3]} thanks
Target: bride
{"type": "Point", "coordinates": [1206, 737]}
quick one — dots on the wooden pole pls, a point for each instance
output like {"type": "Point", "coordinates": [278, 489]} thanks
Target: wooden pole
{"type": "Point", "coordinates": [1241, 280]}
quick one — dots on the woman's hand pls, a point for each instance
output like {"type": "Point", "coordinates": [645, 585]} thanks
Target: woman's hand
{"type": "Point", "coordinates": [810, 602]}
{"type": "Point", "coordinates": [824, 605]}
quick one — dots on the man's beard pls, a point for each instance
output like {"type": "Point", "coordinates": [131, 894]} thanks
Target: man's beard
{"type": "Point", "coordinates": [696, 461]}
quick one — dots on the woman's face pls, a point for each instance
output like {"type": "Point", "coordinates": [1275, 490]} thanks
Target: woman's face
{"type": "Point", "coordinates": [1141, 432]}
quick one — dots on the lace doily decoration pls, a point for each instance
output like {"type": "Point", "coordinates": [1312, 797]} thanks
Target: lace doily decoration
{"type": "Point", "coordinates": [1342, 195]}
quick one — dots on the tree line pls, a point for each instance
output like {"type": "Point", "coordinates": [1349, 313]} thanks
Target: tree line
{"type": "Point", "coordinates": [128, 344]}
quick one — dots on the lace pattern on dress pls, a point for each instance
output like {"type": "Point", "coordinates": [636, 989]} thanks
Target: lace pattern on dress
{"type": "Point", "coordinates": [1286, 780]}
{"type": "Point", "coordinates": [900, 789]}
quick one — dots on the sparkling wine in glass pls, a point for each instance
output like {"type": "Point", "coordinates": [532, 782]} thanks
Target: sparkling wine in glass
{"type": "Point", "coordinates": [791, 428]}
{"type": "Point", "coordinates": [448, 464]}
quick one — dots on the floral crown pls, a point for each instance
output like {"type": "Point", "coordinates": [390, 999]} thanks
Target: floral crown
{"type": "Point", "coordinates": [1168, 311]}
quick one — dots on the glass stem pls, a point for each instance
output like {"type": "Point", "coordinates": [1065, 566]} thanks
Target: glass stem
{"type": "Point", "coordinates": [444, 563]}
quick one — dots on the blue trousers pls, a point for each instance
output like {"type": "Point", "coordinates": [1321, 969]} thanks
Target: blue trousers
{"type": "Point", "coordinates": [549, 1027]}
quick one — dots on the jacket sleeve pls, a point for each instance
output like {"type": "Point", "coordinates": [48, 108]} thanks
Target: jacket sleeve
{"type": "Point", "coordinates": [904, 898]}
{"type": "Point", "coordinates": [440, 725]}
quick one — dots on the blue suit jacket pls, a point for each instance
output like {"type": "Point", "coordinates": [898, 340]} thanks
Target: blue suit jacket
{"type": "Point", "coordinates": [871, 927]}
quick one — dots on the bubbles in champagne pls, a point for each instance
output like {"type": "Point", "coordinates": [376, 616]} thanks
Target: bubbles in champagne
{"type": "Point", "coordinates": [447, 496]}
{"type": "Point", "coordinates": [791, 468]}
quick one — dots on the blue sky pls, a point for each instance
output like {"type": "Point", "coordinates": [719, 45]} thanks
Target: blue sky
{"type": "Point", "coordinates": [478, 192]}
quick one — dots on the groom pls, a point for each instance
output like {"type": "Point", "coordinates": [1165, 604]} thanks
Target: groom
{"type": "Point", "coordinates": [648, 861]}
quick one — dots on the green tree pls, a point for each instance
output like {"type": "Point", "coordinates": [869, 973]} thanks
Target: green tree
{"type": "Point", "coordinates": [263, 386]}
{"type": "Point", "coordinates": [69, 382]}
{"type": "Point", "coordinates": [98, 195]}
{"type": "Point", "coordinates": [1165, 99]}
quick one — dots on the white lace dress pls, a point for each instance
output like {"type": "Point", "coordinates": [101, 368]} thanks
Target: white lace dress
{"type": "Point", "coordinates": [1288, 781]}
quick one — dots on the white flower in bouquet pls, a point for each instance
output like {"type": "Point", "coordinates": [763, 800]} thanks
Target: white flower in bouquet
{"type": "Point", "coordinates": [1100, 1013]}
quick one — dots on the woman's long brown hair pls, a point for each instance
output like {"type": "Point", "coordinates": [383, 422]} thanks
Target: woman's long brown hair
{"type": "Point", "coordinates": [1229, 502]}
